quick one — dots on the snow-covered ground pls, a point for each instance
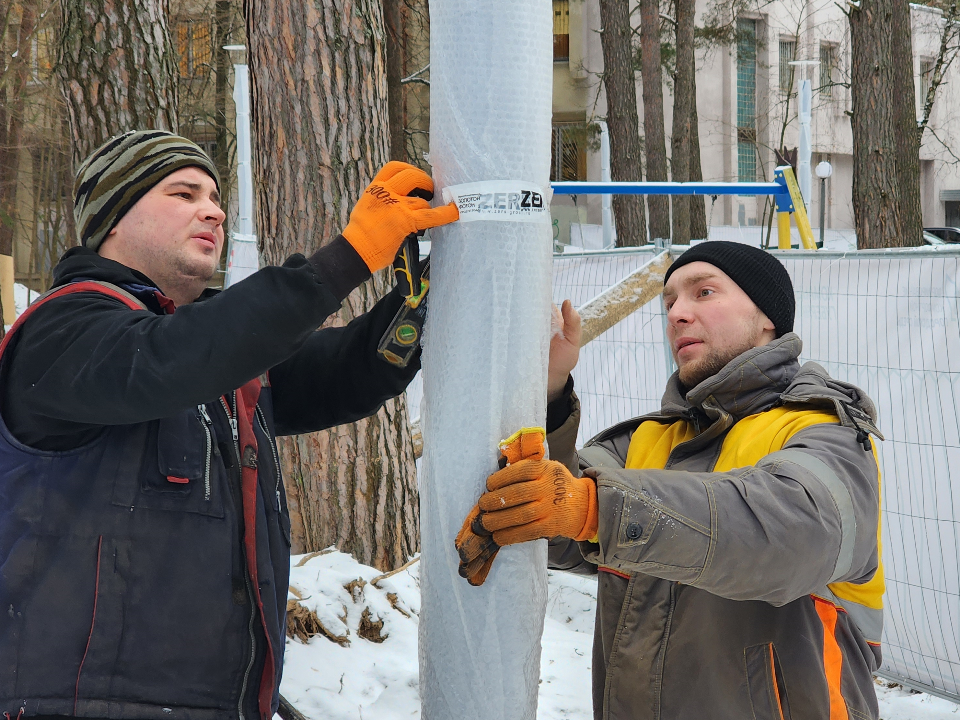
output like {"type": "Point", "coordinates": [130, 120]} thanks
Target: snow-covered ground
{"type": "Point", "coordinates": [22, 297]}
{"type": "Point", "coordinates": [362, 671]}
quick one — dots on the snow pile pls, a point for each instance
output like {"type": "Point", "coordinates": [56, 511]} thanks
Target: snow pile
{"type": "Point", "coordinates": [346, 675]}
{"type": "Point", "coordinates": [22, 297]}
{"type": "Point", "coordinates": [898, 703]}
{"type": "Point", "coordinates": [342, 674]}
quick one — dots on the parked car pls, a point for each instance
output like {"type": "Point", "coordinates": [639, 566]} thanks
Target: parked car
{"type": "Point", "coordinates": [947, 234]}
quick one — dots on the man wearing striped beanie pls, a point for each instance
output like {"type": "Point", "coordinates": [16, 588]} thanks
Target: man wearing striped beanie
{"type": "Point", "coordinates": [145, 537]}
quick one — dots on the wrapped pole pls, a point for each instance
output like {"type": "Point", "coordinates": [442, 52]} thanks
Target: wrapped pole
{"type": "Point", "coordinates": [485, 346]}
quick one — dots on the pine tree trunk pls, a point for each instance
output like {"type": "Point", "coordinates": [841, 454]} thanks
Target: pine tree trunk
{"type": "Point", "coordinates": [415, 20]}
{"type": "Point", "coordinates": [908, 137]}
{"type": "Point", "coordinates": [320, 131]}
{"type": "Point", "coordinates": [877, 201]}
{"type": "Point", "coordinates": [13, 88]}
{"type": "Point", "coordinates": [223, 12]}
{"type": "Point", "coordinates": [682, 104]}
{"type": "Point", "coordinates": [393, 22]}
{"type": "Point", "coordinates": [654, 132]}
{"type": "Point", "coordinates": [698, 213]}
{"type": "Point", "coordinates": [622, 120]}
{"type": "Point", "coordinates": [117, 70]}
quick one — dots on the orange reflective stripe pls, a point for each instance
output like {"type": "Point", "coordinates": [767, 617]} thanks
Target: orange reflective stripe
{"type": "Point", "coordinates": [776, 688]}
{"type": "Point", "coordinates": [832, 659]}
{"type": "Point", "coordinates": [603, 568]}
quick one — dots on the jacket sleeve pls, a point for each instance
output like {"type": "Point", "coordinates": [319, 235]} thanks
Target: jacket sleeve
{"type": "Point", "coordinates": [337, 376]}
{"type": "Point", "coordinates": [86, 360]}
{"type": "Point", "coordinates": [801, 518]}
{"type": "Point", "coordinates": [564, 553]}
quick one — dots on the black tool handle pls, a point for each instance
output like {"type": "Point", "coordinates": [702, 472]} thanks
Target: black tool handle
{"type": "Point", "coordinates": [406, 266]}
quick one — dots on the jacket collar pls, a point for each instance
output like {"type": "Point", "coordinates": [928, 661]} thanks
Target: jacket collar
{"type": "Point", "coordinates": [758, 380]}
{"type": "Point", "coordinates": [82, 263]}
{"type": "Point", "coordinates": [750, 383]}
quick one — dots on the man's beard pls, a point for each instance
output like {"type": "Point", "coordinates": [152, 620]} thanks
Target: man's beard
{"type": "Point", "coordinates": [695, 373]}
{"type": "Point", "coordinates": [713, 362]}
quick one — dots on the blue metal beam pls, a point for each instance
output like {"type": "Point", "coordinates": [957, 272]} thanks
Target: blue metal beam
{"type": "Point", "coordinates": [778, 189]}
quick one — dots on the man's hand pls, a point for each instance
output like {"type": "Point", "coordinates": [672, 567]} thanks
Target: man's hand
{"type": "Point", "coordinates": [534, 499]}
{"type": "Point", "coordinates": [474, 542]}
{"type": "Point", "coordinates": [385, 214]}
{"type": "Point", "coordinates": [564, 348]}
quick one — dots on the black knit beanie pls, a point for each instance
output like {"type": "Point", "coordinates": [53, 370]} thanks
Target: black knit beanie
{"type": "Point", "coordinates": [121, 171]}
{"type": "Point", "coordinates": [758, 273]}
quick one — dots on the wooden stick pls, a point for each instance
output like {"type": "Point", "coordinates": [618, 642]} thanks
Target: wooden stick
{"type": "Point", "coordinates": [393, 572]}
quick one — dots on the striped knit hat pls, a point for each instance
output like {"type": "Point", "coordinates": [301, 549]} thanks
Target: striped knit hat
{"type": "Point", "coordinates": [122, 171]}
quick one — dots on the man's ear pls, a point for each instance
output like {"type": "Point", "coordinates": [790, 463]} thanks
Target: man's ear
{"type": "Point", "coordinates": [768, 323]}
{"type": "Point", "coordinates": [110, 235]}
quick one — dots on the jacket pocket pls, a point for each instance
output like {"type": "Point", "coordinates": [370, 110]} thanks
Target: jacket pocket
{"type": "Point", "coordinates": [179, 469]}
{"type": "Point", "coordinates": [768, 693]}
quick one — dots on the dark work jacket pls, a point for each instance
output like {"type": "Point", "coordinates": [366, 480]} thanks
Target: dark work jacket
{"type": "Point", "coordinates": [144, 551]}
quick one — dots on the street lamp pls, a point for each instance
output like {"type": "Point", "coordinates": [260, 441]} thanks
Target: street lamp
{"type": "Point", "coordinates": [804, 102]}
{"type": "Point", "coordinates": [824, 170]}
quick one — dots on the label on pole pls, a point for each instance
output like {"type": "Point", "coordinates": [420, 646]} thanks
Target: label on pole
{"type": "Point", "coordinates": [501, 200]}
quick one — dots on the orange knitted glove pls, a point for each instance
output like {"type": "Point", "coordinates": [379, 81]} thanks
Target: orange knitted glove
{"type": "Point", "coordinates": [384, 215]}
{"type": "Point", "coordinates": [476, 548]}
{"type": "Point", "coordinates": [538, 499]}
{"type": "Point", "coordinates": [474, 542]}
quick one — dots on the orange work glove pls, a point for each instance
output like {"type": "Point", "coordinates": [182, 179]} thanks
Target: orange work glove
{"type": "Point", "coordinates": [474, 542]}
{"type": "Point", "coordinates": [476, 548]}
{"type": "Point", "coordinates": [538, 499]}
{"type": "Point", "coordinates": [384, 215]}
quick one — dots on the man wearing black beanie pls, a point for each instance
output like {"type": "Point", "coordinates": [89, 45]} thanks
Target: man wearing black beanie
{"type": "Point", "coordinates": [735, 531]}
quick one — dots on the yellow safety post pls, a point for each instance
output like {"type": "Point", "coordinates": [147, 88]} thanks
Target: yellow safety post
{"type": "Point", "coordinates": [783, 230]}
{"type": "Point", "coordinates": [799, 209]}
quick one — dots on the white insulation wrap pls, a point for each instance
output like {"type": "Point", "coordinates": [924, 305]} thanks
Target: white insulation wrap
{"type": "Point", "coordinates": [485, 352]}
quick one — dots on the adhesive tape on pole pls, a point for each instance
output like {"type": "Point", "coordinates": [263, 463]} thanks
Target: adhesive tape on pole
{"type": "Point", "coordinates": [500, 200]}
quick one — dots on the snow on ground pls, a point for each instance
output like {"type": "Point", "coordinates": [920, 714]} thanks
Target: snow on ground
{"type": "Point", "coordinates": [899, 703]}
{"type": "Point", "coordinates": [354, 677]}
{"type": "Point", "coordinates": [22, 297]}
{"type": "Point", "coordinates": [325, 679]}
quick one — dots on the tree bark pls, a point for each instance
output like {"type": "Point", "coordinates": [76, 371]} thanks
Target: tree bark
{"type": "Point", "coordinates": [908, 137]}
{"type": "Point", "coordinates": [878, 194]}
{"type": "Point", "coordinates": [223, 11]}
{"type": "Point", "coordinates": [13, 88]}
{"type": "Point", "coordinates": [698, 213]}
{"type": "Point", "coordinates": [117, 70]}
{"type": "Point", "coordinates": [622, 120]}
{"type": "Point", "coordinates": [654, 132]}
{"type": "Point", "coordinates": [393, 21]}
{"type": "Point", "coordinates": [683, 90]}
{"type": "Point", "coordinates": [320, 120]}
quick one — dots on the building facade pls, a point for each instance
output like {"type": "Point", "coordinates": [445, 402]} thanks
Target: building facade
{"type": "Point", "coordinates": [747, 105]}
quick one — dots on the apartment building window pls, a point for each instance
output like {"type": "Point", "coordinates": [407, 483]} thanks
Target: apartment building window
{"type": "Point", "coordinates": [828, 61]}
{"type": "Point", "coordinates": [746, 100]}
{"type": "Point", "coordinates": [788, 53]}
{"type": "Point", "coordinates": [568, 151]}
{"type": "Point", "coordinates": [561, 30]}
{"type": "Point", "coordinates": [926, 80]}
{"type": "Point", "coordinates": [194, 47]}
